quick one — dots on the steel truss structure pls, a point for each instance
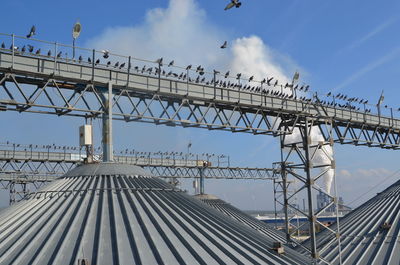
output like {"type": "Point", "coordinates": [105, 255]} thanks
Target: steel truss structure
{"type": "Point", "coordinates": [308, 158]}
{"type": "Point", "coordinates": [32, 82]}
{"type": "Point", "coordinates": [23, 168]}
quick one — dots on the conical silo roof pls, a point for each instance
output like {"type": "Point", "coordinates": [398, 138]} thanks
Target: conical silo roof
{"type": "Point", "coordinates": [235, 213]}
{"type": "Point", "coordinates": [118, 214]}
{"type": "Point", "coordinates": [370, 234]}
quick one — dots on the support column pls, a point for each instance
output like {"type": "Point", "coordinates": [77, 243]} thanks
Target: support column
{"type": "Point", "coordinates": [309, 184]}
{"type": "Point", "coordinates": [107, 126]}
{"type": "Point", "coordinates": [309, 159]}
{"type": "Point", "coordinates": [201, 171]}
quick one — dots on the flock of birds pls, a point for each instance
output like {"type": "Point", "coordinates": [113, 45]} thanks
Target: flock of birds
{"type": "Point", "coordinates": [268, 86]}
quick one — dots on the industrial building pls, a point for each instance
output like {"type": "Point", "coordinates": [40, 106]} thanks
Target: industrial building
{"type": "Point", "coordinates": [110, 213]}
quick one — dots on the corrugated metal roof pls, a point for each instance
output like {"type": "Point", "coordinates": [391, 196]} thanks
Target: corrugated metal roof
{"type": "Point", "coordinates": [242, 217]}
{"type": "Point", "coordinates": [370, 233]}
{"type": "Point", "coordinates": [111, 214]}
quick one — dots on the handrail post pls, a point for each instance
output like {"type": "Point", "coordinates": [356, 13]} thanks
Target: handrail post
{"type": "Point", "coordinates": [129, 71]}
{"type": "Point", "coordinates": [93, 60]}
{"type": "Point", "coordinates": [12, 50]}
{"type": "Point", "coordinates": [55, 57]}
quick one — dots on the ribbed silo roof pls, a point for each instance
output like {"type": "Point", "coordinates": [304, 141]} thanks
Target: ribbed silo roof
{"type": "Point", "coordinates": [118, 214]}
{"type": "Point", "coordinates": [242, 217]}
{"type": "Point", "coordinates": [370, 233]}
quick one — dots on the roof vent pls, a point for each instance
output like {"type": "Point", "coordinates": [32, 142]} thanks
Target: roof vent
{"type": "Point", "coordinates": [277, 246]}
{"type": "Point", "coordinates": [385, 226]}
{"type": "Point", "coordinates": [83, 262]}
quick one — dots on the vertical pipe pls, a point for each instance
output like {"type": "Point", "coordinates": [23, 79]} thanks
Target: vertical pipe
{"type": "Point", "coordinates": [107, 126]}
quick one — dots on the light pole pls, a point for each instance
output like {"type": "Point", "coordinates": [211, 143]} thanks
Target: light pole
{"type": "Point", "coordinates": [76, 30]}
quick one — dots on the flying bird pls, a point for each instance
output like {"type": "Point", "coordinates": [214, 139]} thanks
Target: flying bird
{"type": "Point", "coordinates": [223, 46]}
{"type": "Point", "coordinates": [32, 32]}
{"type": "Point", "coordinates": [233, 3]}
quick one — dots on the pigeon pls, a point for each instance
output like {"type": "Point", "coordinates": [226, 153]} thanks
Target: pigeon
{"type": "Point", "coordinates": [59, 54]}
{"type": "Point", "coordinates": [227, 74]}
{"type": "Point", "coordinates": [171, 63]}
{"type": "Point", "coordinates": [189, 67]}
{"type": "Point", "coordinates": [106, 54]}
{"type": "Point", "coordinates": [116, 64]}
{"type": "Point", "coordinates": [32, 32]}
{"type": "Point", "coordinates": [97, 61]}
{"type": "Point", "coordinates": [80, 58]}
{"type": "Point", "coordinates": [3, 46]}
{"type": "Point", "coordinates": [37, 52]}
{"type": "Point", "coordinates": [223, 46]}
{"type": "Point", "coordinates": [89, 60]}
{"type": "Point", "coordinates": [251, 78]}
{"type": "Point", "coordinates": [122, 65]}
{"type": "Point", "coordinates": [49, 53]}
{"type": "Point", "coordinates": [233, 3]}
{"type": "Point", "coordinates": [238, 76]}
{"type": "Point", "coordinates": [30, 48]}
{"type": "Point", "coordinates": [23, 49]}
{"type": "Point", "coordinates": [108, 63]}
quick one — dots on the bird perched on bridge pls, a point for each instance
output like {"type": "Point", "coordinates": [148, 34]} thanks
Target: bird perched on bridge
{"type": "Point", "coordinates": [116, 64]}
{"type": "Point", "coordinates": [188, 67]}
{"type": "Point", "coordinates": [223, 46]}
{"type": "Point", "coordinates": [227, 74]}
{"type": "Point", "coordinates": [49, 53]}
{"type": "Point", "coordinates": [233, 3]}
{"type": "Point", "coordinates": [122, 65]}
{"type": "Point", "coordinates": [97, 62]}
{"type": "Point", "coordinates": [30, 48]}
{"type": "Point", "coordinates": [171, 63]}
{"type": "Point", "coordinates": [59, 54]}
{"type": "Point", "coordinates": [32, 32]}
{"type": "Point", "coordinates": [251, 78]}
{"type": "Point", "coordinates": [37, 52]}
{"type": "Point", "coordinates": [80, 58]}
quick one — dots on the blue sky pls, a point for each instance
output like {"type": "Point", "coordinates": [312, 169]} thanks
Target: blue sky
{"type": "Point", "coordinates": [351, 47]}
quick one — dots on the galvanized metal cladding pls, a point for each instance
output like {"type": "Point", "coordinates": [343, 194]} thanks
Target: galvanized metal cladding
{"type": "Point", "coordinates": [63, 86]}
{"type": "Point", "coordinates": [118, 214]}
{"type": "Point", "coordinates": [370, 234]}
{"type": "Point", "coordinates": [242, 217]}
